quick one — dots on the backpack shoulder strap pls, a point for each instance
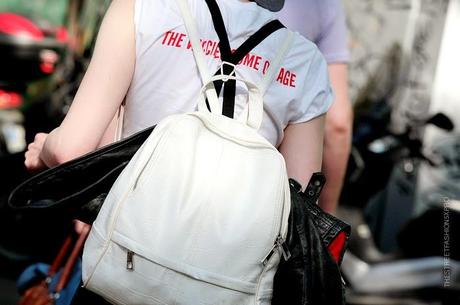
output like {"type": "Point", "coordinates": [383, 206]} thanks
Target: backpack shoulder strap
{"type": "Point", "coordinates": [276, 63]}
{"type": "Point", "coordinates": [272, 72]}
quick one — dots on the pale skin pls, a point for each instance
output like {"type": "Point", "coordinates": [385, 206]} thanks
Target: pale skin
{"type": "Point", "coordinates": [337, 140]}
{"type": "Point", "coordinates": [89, 123]}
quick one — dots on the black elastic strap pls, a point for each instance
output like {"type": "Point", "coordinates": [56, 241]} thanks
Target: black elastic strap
{"type": "Point", "coordinates": [247, 46]}
{"type": "Point", "coordinates": [255, 39]}
{"type": "Point", "coordinates": [219, 26]}
{"type": "Point", "coordinates": [228, 107]}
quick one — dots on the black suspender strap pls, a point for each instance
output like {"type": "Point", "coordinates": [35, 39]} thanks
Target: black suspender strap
{"type": "Point", "coordinates": [235, 57]}
{"type": "Point", "coordinates": [219, 26]}
{"type": "Point", "coordinates": [255, 39]}
{"type": "Point", "coordinates": [230, 87]}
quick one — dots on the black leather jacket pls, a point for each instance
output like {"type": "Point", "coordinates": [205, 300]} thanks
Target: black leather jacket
{"type": "Point", "coordinates": [311, 276]}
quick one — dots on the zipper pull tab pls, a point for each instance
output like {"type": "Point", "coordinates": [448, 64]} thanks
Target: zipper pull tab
{"type": "Point", "coordinates": [281, 245]}
{"type": "Point", "coordinates": [284, 248]}
{"type": "Point", "coordinates": [264, 261]}
{"type": "Point", "coordinates": [129, 260]}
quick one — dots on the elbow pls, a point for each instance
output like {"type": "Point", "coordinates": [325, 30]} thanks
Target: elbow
{"type": "Point", "coordinates": [59, 148]}
{"type": "Point", "coordinates": [340, 127]}
{"type": "Point", "coordinates": [338, 131]}
{"type": "Point", "coordinates": [56, 152]}
{"type": "Point", "coordinates": [55, 156]}
{"type": "Point", "coordinates": [69, 152]}
{"type": "Point", "coordinates": [340, 124]}
{"type": "Point", "coordinates": [62, 156]}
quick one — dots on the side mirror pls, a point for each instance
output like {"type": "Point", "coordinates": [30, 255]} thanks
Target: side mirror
{"type": "Point", "coordinates": [440, 120]}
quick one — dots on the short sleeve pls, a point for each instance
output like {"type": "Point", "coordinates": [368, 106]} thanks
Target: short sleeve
{"type": "Point", "coordinates": [316, 96]}
{"type": "Point", "coordinates": [332, 41]}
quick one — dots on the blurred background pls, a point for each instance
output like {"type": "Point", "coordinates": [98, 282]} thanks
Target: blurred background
{"type": "Point", "coordinates": [45, 47]}
{"type": "Point", "coordinates": [402, 188]}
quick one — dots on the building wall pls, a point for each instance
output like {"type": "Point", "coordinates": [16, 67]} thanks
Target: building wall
{"type": "Point", "coordinates": [395, 46]}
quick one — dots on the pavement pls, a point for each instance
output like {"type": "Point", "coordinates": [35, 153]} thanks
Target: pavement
{"type": "Point", "coordinates": [8, 294]}
{"type": "Point", "coordinates": [12, 172]}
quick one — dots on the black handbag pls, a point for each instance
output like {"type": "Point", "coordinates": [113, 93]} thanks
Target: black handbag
{"type": "Point", "coordinates": [77, 189]}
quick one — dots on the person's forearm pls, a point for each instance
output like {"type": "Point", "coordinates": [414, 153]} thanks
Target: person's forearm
{"type": "Point", "coordinates": [110, 133]}
{"type": "Point", "coordinates": [302, 149]}
{"type": "Point", "coordinates": [336, 153]}
{"type": "Point", "coordinates": [337, 137]}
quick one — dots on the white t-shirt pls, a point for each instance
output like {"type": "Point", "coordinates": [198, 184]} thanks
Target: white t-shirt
{"type": "Point", "coordinates": [166, 80]}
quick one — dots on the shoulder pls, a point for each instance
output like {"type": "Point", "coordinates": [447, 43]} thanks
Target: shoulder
{"type": "Point", "coordinates": [119, 15]}
{"type": "Point", "coordinates": [313, 91]}
{"type": "Point", "coordinates": [304, 52]}
{"type": "Point", "coordinates": [118, 23]}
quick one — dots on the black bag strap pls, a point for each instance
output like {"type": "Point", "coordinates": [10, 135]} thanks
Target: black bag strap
{"type": "Point", "coordinates": [227, 55]}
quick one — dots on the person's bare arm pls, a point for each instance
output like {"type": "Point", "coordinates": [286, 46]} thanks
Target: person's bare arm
{"type": "Point", "coordinates": [302, 148]}
{"type": "Point", "coordinates": [110, 132]}
{"type": "Point", "coordinates": [102, 90]}
{"type": "Point", "coordinates": [337, 138]}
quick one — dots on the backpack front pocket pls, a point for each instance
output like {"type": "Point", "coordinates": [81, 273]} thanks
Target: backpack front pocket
{"type": "Point", "coordinates": [132, 271]}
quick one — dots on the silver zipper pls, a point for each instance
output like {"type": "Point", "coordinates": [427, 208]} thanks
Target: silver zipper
{"type": "Point", "coordinates": [280, 244]}
{"type": "Point", "coordinates": [129, 260]}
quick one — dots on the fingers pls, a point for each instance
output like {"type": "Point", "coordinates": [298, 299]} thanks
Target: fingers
{"type": "Point", "coordinates": [38, 142]}
{"type": "Point", "coordinates": [40, 138]}
{"type": "Point", "coordinates": [32, 161]}
{"type": "Point", "coordinates": [32, 158]}
{"type": "Point", "coordinates": [34, 146]}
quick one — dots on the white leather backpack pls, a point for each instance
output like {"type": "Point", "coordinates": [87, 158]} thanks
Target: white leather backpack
{"type": "Point", "coordinates": [199, 215]}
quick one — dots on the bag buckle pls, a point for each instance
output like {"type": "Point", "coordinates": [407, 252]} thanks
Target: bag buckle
{"type": "Point", "coordinates": [226, 77]}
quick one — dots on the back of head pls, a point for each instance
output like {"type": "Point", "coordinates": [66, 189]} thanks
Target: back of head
{"type": "Point", "coordinates": [271, 5]}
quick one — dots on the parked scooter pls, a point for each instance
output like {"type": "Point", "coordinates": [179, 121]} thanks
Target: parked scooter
{"type": "Point", "coordinates": [29, 53]}
{"type": "Point", "coordinates": [396, 252]}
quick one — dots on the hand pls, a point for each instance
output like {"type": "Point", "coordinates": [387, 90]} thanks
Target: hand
{"type": "Point", "coordinates": [33, 162]}
{"type": "Point", "coordinates": [80, 226]}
